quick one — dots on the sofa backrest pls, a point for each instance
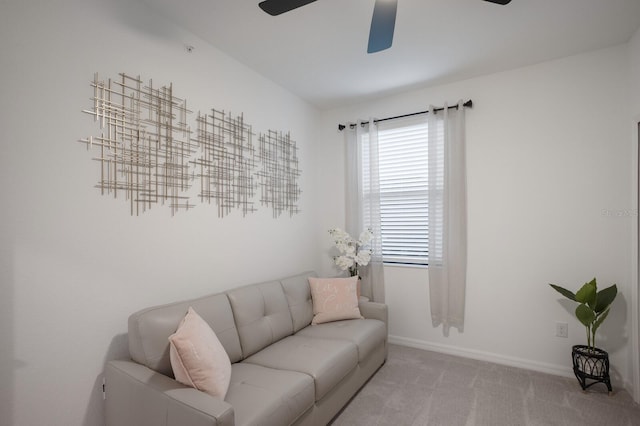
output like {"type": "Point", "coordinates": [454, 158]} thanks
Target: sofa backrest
{"type": "Point", "coordinates": [298, 293]}
{"type": "Point", "coordinates": [262, 315]}
{"type": "Point", "coordinates": [149, 330]}
{"type": "Point", "coordinates": [245, 319]}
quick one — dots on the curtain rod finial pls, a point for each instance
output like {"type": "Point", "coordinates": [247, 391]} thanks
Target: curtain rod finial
{"type": "Point", "coordinates": [341, 127]}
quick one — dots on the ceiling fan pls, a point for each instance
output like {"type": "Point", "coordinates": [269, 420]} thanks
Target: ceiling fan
{"type": "Point", "coordinates": [382, 23]}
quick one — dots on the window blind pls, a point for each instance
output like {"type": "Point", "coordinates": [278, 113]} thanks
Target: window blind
{"type": "Point", "coordinates": [403, 162]}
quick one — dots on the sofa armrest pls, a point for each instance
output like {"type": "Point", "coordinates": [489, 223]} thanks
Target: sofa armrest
{"type": "Point", "coordinates": [139, 396]}
{"type": "Point", "coordinates": [374, 310]}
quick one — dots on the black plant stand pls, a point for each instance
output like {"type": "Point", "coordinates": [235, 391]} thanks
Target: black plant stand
{"type": "Point", "coordinates": [591, 363]}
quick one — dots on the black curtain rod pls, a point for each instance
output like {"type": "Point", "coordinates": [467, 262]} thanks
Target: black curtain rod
{"type": "Point", "coordinates": [467, 104]}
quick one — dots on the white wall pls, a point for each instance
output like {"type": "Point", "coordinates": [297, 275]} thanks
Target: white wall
{"type": "Point", "coordinates": [73, 264]}
{"type": "Point", "coordinates": [634, 348]}
{"type": "Point", "coordinates": [549, 184]}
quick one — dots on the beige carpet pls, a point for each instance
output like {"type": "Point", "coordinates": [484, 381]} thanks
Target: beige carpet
{"type": "Point", "coordinates": [417, 387]}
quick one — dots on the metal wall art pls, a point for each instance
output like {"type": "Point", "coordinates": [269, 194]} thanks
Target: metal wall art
{"type": "Point", "coordinates": [226, 164]}
{"type": "Point", "coordinates": [145, 145]}
{"type": "Point", "coordinates": [149, 155]}
{"type": "Point", "coordinates": [279, 172]}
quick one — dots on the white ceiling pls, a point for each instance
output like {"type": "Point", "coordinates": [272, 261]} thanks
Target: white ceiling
{"type": "Point", "coordinates": [319, 51]}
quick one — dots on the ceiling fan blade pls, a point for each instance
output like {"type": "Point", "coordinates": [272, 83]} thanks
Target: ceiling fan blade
{"type": "Point", "coordinates": [382, 25]}
{"type": "Point", "coordinates": [502, 2]}
{"type": "Point", "coordinates": [276, 7]}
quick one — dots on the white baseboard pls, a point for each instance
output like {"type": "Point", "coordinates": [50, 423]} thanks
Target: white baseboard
{"type": "Point", "coordinates": [557, 370]}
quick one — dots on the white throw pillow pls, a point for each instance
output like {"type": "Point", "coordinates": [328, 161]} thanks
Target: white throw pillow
{"type": "Point", "coordinates": [198, 359]}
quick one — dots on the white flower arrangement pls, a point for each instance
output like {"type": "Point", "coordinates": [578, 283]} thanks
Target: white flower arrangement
{"type": "Point", "coordinates": [352, 252]}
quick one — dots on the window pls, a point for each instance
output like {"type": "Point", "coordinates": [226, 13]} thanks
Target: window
{"type": "Point", "coordinates": [403, 152]}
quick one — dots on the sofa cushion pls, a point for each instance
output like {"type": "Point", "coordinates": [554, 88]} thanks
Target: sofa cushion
{"type": "Point", "coordinates": [262, 315]}
{"type": "Point", "coordinates": [298, 294]}
{"type": "Point", "coordinates": [326, 360]}
{"type": "Point", "coordinates": [334, 299]}
{"type": "Point", "coordinates": [149, 330]}
{"type": "Point", "coordinates": [367, 334]}
{"type": "Point", "coordinates": [264, 396]}
{"type": "Point", "coordinates": [198, 359]}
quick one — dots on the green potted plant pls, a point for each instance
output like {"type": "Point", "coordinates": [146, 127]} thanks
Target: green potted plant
{"type": "Point", "coordinates": [589, 361]}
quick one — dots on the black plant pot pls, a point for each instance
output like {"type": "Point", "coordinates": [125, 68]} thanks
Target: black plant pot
{"type": "Point", "coordinates": [590, 363]}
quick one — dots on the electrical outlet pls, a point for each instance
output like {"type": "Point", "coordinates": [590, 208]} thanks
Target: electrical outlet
{"type": "Point", "coordinates": [562, 329]}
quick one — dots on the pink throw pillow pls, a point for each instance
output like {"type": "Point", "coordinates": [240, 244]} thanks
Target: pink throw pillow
{"type": "Point", "coordinates": [334, 299]}
{"type": "Point", "coordinates": [198, 359]}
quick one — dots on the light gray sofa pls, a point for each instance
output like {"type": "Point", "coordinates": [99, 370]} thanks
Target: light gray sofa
{"type": "Point", "coordinates": [284, 370]}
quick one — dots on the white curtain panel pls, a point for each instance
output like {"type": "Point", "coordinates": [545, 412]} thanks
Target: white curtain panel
{"type": "Point", "coordinates": [447, 217]}
{"type": "Point", "coordinates": [363, 201]}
